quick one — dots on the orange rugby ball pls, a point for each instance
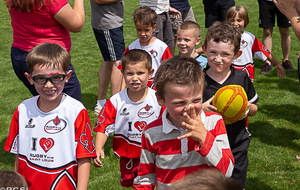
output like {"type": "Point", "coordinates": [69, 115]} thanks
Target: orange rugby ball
{"type": "Point", "coordinates": [231, 102]}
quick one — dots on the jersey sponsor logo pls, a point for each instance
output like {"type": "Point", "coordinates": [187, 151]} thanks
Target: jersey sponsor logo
{"type": "Point", "coordinates": [29, 125]}
{"type": "Point", "coordinates": [124, 112]}
{"type": "Point", "coordinates": [86, 139]}
{"type": "Point", "coordinates": [146, 111]}
{"type": "Point", "coordinates": [244, 44]}
{"type": "Point", "coordinates": [55, 125]}
{"type": "Point", "coordinates": [153, 53]}
{"type": "Point", "coordinates": [140, 125]}
{"type": "Point", "coordinates": [46, 144]}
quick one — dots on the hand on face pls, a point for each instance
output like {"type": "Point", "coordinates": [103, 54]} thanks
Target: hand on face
{"type": "Point", "coordinates": [194, 125]}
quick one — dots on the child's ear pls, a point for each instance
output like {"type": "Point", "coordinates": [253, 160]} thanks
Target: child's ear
{"type": "Point", "coordinates": [239, 53]}
{"type": "Point", "coordinates": [198, 41]}
{"type": "Point", "coordinates": [160, 101]}
{"type": "Point", "coordinates": [29, 78]}
{"type": "Point", "coordinates": [68, 75]}
{"type": "Point", "coordinates": [204, 49]}
{"type": "Point", "coordinates": [151, 73]}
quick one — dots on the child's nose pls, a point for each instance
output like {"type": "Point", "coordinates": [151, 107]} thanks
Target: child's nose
{"type": "Point", "coordinates": [48, 84]}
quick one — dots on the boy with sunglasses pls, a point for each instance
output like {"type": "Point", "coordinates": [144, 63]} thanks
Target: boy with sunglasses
{"type": "Point", "coordinates": [51, 133]}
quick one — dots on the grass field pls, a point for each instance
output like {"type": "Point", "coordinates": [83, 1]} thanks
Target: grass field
{"type": "Point", "coordinates": [275, 128]}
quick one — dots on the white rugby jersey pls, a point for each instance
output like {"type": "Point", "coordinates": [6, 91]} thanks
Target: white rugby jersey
{"type": "Point", "coordinates": [49, 144]}
{"type": "Point", "coordinates": [250, 46]}
{"type": "Point", "coordinates": [127, 119]}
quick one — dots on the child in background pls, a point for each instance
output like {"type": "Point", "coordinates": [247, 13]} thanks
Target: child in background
{"type": "Point", "coordinates": [250, 45]}
{"type": "Point", "coordinates": [127, 113]}
{"type": "Point", "coordinates": [51, 133]}
{"type": "Point", "coordinates": [222, 46]}
{"type": "Point", "coordinates": [145, 23]}
{"type": "Point", "coordinates": [188, 37]}
{"type": "Point", "coordinates": [185, 138]}
{"type": "Point", "coordinates": [12, 180]}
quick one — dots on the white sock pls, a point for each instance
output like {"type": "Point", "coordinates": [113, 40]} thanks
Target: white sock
{"type": "Point", "coordinates": [101, 102]}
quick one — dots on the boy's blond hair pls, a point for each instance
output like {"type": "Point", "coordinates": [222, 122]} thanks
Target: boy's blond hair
{"type": "Point", "coordinates": [190, 25]}
{"type": "Point", "coordinates": [222, 32]}
{"type": "Point", "coordinates": [135, 56]}
{"type": "Point", "coordinates": [50, 55]}
{"type": "Point", "coordinates": [238, 10]}
{"type": "Point", "coordinates": [179, 70]}
{"type": "Point", "coordinates": [145, 15]}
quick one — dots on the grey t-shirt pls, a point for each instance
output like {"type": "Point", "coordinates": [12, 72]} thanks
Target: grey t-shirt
{"type": "Point", "coordinates": [108, 16]}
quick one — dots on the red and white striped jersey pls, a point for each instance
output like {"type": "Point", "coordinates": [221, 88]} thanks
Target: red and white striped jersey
{"type": "Point", "coordinates": [165, 159]}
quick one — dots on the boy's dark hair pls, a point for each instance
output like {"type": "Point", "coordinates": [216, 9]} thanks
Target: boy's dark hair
{"type": "Point", "coordinates": [238, 10]}
{"type": "Point", "coordinates": [206, 179]}
{"type": "Point", "coordinates": [179, 70]}
{"type": "Point", "coordinates": [10, 178]}
{"type": "Point", "coordinates": [222, 32]}
{"type": "Point", "coordinates": [191, 25]}
{"type": "Point", "coordinates": [145, 15]}
{"type": "Point", "coordinates": [48, 54]}
{"type": "Point", "coordinates": [135, 56]}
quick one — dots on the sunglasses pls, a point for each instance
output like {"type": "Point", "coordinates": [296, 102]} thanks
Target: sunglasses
{"type": "Point", "coordinates": [55, 79]}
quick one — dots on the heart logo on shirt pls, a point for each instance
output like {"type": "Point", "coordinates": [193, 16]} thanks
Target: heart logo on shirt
{"type": "Point", "coordinates": [46, 144]}
{"type": "Point", "coordinates": [140, 125]}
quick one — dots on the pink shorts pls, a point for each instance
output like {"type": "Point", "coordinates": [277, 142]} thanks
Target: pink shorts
{"type": "Point", "coordinates": [128, 169]}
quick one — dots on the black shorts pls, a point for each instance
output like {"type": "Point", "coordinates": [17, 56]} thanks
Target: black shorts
{"type": "Point", "coordinates": [111, 43]}
{"type": "Point", "coordinates": [267, 12]}
{"type": "Point", "coordinates": [215, 10]}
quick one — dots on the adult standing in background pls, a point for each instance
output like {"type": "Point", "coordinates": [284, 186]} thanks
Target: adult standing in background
{"type": "Point", "coordinates": [267, 12]}
{"type": "Point", "coordinates": [186, 13]}
{"type": "Point", "coordinates": [35, 22]}
{"type": "Point", "coordinates": [107, 23]}
{"type": "Point", "coordinates": [215, 10]}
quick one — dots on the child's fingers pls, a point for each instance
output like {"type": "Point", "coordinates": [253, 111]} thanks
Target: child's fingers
{"type": "Point", "coordinates": [97, 162]}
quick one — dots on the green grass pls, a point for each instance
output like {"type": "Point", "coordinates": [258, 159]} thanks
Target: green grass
{"type": "Point", "coordinates": [275, 128]}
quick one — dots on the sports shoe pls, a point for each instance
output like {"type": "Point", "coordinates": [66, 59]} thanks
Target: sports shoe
{"type": "Point", "coordinates": [266, 69]}
{"type": "Point", "coordinates": [97, 109]}
{"type": "Point", "coordinates": [287, 64]}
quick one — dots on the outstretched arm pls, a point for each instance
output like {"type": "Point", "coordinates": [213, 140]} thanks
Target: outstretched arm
{"type": "Point", "coordinates": [279, 68]}
{"type": "Point", "coordinates": [84, 165]}
{"type": "Point", "coordinates": [100, 141]}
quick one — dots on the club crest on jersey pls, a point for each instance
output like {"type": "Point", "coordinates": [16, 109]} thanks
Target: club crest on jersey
{"type": "Point", "coordinates": [46, 144]}
{"type": "Point", "coordinates": [153, 53]}
{"type": "Point", "coordinates": [86, 139]}
{"type": "Point", "coordinates": [29, 125]}
{"type": "Point", "coordinates": [55, 125]}
{"type": "Point", "coordinates": [244, 44]}
{"type": "Point", "coordinates": [146, 111]}
{"type": "Point", "coordinates": [265, 48]}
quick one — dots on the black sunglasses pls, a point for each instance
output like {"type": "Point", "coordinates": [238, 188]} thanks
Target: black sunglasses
{"type": "Point", "coordinates": [55, 79]}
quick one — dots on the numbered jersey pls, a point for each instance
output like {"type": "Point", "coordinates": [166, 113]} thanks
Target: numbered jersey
{"type": "Point", "coordinates": [127, 119]}
{"type": "Point", "coordinates": [49, 144]}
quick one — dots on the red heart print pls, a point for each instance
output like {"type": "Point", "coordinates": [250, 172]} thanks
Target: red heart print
{"type": "Point", "coordinates": [140, 125]}
{"type": "Point", "coordinates": [46, 144]}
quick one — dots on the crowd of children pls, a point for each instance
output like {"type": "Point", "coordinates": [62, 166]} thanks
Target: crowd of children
{"type": "Point", "coordinates": [164, 125]}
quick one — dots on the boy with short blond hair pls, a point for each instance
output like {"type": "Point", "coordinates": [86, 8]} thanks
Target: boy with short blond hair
{"type": "Point", "coordinates": [185, 138]}
{"type": "Point", "coordinates": [188, 37]}
{"type": "Point", "coordinates": [144, 19]}
{"type": "Point", "coordinates": [127, 113]}
{"type": "Point", "coordinates": [51, 133]}
{"type": "Point", "coordinates": [222, 46]}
